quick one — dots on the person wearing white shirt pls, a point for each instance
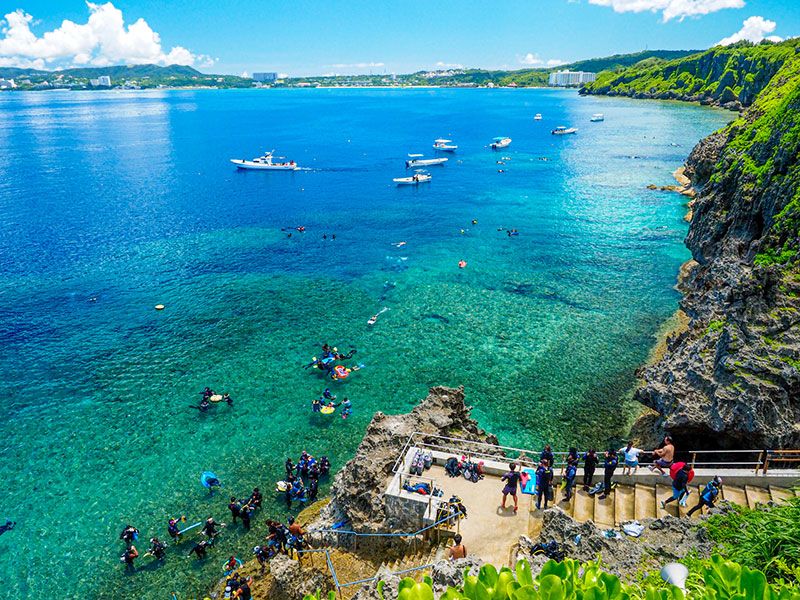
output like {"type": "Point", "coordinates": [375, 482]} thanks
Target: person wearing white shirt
{"type": "Point", "coordinates": [631, 457]}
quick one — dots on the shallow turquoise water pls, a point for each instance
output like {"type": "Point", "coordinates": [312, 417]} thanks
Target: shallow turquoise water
{"type": "Point", "coordinates": [128, 198]}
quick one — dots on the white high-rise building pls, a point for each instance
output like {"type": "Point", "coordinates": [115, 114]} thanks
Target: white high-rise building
{"type": "Point", "coordinates": [7, 84]}
{"type": "Point", "coordinates": [104, 80]}
{"type": "Point", "coordinates": [570, 78]}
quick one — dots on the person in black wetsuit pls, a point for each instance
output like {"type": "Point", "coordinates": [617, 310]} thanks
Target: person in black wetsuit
{"type": "Point", "coordinates": [589, 465]}
{"type": "Point", "coordinates": [210, 528]}
{"type": "Point", "coordinates": [313, 489]}
{"type": "Point", "coordinates": [129, 535]}
{"type": "Point", "coordinates": [245, 514]}
{"type": "Point", "coordinates": [8, 526]}
{"type": "Point", "coordinates": [512, 482]}
{"type": "Point", "coordinates": [289, 467]}
{"type": "Point", "coordinates": [200, 549]}
{"type": "Point", "coordinates": [609, 466]}
{"type": "Point", "coordinates": [129, 556]}
{"type": "Point", "coordinates": [255, 498]}
{"type": "Point", "coordinates": [158, 549]}
{"type": "Point", "coordinates": [544, 483]}
{"type": "Point", "coordinates": [547, 454]}
{"type": "Point", "coordinates": [235, 509]}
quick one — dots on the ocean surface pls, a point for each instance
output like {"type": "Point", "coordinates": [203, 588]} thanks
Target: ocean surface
{"type": "Point", "coordinates": [111, 203]}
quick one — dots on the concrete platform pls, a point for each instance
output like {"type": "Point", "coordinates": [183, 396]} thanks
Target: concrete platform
{"type": "Point", "coordinates": [497, 529]}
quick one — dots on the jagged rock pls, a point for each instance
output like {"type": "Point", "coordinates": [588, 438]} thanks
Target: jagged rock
{"type": "Point", "coordinates": [732, 380]}
{"type": "Point", "coordinates": [295, 582]}
{"type": "Point", "coordinates": [357, 488]}
{"type": "Point", "coordinates": [448, 573]}
{"type": "Point", "coordinates": [663, 540]}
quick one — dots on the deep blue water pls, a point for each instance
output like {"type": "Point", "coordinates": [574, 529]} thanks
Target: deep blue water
{"type": "Point", "coordinates": [113, 202]}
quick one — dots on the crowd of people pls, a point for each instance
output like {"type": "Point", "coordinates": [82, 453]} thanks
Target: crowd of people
{"type": "Point", "coordinates": [663, 463]}
{"type": "Point", "coordinates": [303, 478]}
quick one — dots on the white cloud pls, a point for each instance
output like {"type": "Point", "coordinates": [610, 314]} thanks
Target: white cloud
{"type": "Point", "coordinates": [754, 29]}
{"type": "Point", "coordinates": [533, 60]}
{"type": "Point", "coordinates": [444, 65]}
{"type": "Point", "coordinates": [103, 40]}
{"type": "Point", "coordinates": [670, 9]}
{"type": "Point", "coordinates": [361, 65]}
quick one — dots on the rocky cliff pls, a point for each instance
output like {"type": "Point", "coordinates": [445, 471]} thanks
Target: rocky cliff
{"type": "Point", "coordinates": [733, 378]}
{"type": "Point", "coordinates": [729, 76]}
{"type": "Point", "coordinates": [357, 488]}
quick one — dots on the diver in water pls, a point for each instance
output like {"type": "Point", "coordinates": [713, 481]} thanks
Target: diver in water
{"type": "Point", "coordinates": [158, 549]}
{"type": "Point", "coordinates": [316, 405]}
{"type": "Point", "coordinates": [173, 529]}
{"type": "Point", "coordinates": [207, 393]}
{"type": "Point", "coordinates": [289, 466]}
{"type": "Point", "coordinates": [255, 498]}
{"type": "Point", "coordinates": [200, 549]}
{"type": "Point", "coordinates": [210, 528]}
{"type": "Point", "coordinates": [9, 525]}
{"type": "Point", "coordinates": [128, 557]}
{"type": "Point", "coordinates": [328, 395]}
{"type": "Point", "coordinates": [227, 398]}
{"type": "Point", "coordinates": [324, 466]}
{"type": "Point", "coordinates": [129, 535]}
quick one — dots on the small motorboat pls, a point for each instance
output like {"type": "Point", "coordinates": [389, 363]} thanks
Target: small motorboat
{"type": "Point", "coordinates": [416, 160]}
{"type": "Point", "coordinates": [537, 117]}
{"type": "Point", "coordinates": [499, 143]}
{"type": "Point", "coordinates": [415, 179]}
{"type": "Point", "coordinates": [561, 130]}
{"type": "Point", "coordinates": [444, 145]}
{"type": "Point", "coordinates": [596, 117]}
{"type": "Point", "coordinates": [265, 163]}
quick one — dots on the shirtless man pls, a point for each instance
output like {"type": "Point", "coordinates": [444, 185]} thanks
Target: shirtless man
{"type": "Point", "coordinates": [457, 550]}
{"type": "Point", "coordinates": [664, 456]}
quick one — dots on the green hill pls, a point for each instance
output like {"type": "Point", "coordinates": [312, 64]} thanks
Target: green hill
{"type": "Point", "coordinates": [724, 75]}
{"type": "Point", "coordinates": [140, 76]}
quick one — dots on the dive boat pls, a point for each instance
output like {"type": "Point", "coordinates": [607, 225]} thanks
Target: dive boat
{"type": "Point", "coordinates": [561, 130]}
{"type": "Point", "coordinates": [444, 145]}
{"type": "Point", "coordinates": [537, 117]}
{"type": "Point", "coordinates": [499, 143]}
{"type": "Point", "coordinates": [416, 160]}
{"type": "Point", "coordinates": [265, 163]}
{"type": "Point", "coordinates": [415, 179]}
{"type": "Point", "coordinates": [596, 117]}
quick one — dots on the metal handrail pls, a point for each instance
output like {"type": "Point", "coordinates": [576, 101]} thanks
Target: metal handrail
{"type": "Point", "coordinates": [380, 534]}
{"type": "Point", "coordinates": [418, 439]}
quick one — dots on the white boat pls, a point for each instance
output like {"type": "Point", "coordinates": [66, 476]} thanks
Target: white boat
{"type": "Point", "coordinates": [597, 117]}
{"type": "Point", "coordinates": [265, 163]}
{"type": "Point", "coordinates": [416, 160]}
{"type": "Point", "coordinates": [500, 142]}
{"type": "Point", "coordinates": [537, 117]}
{"type": "Point", "coordinates": [444, 145]}
{"type": "Point", "coordinates": [415, 179]}
{"type": "Point", "coordinates": [561, 130]}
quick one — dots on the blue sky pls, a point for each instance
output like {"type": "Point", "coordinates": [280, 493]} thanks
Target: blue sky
{"type": "Point", "coordinates": [314, 37]}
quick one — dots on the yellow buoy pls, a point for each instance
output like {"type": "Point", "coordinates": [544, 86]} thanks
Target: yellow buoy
{"type": "Point", "coordinates": [159, 307]}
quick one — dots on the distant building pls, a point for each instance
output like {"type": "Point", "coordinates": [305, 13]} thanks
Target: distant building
{"type": "Point", "coordinates": [570, 78]}
{"type": "Point", "coordinates": [102, 81]}
{"type": "Point", "coordinates": [7, 84]}
{"type": "Point", "coordinates": [265, 77]}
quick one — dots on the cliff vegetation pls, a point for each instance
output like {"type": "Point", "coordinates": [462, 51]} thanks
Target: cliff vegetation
{"type": "Point", "coordinates": [730, 76]}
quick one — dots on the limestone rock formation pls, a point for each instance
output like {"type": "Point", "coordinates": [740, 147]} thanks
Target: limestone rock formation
{"type": "Point", "coordinates": [357, 488]}
{"type": "Point", "coordinates": [732, 380]}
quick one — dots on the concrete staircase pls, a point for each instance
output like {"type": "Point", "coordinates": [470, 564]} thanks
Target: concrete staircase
{"type": "Point", "coordinates": [641, 501]}
{"type": "Point", "coordinates": [426, 554]}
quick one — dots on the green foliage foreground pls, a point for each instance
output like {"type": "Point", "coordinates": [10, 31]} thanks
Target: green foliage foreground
{"type": "Point", "coordinates": [767, 538]}
{"type": "Point", "coordinates": [570, 580]}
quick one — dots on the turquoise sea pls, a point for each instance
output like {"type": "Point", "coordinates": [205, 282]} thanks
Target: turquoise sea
{"type": "Point", "coordinates": [111, 203]}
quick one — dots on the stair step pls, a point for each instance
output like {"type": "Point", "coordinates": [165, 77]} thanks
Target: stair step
{"type": "Point", "coordinates": [604, 509]}
{"type": "Point", "coordinates": [756, 495]}
{"type": "Point", "coordinates": [662, 493]}
{"type": "Point", "coordinates": [624, 504]}
{"type": "Point", "coordinates": [690, 501]}
{"type": "Point", "coordinates": [584, 507]}
{"type": "Point", "coordinates": [644, 500]}
{"type": "Point", "coordinates": [734, 495]}
{"type": "Point", "coordinates": [779, 494]}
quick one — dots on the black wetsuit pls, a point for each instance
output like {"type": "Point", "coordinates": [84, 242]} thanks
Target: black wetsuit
{"type": "Point", "coordinates": [199, 549]}
{"type": "Point", "coordinates": [589, 464]}
{"type": "Point", "coordinates": [609, 466]}
{"type": "Point", "coordinates": [9, 525]}
{"type": "Point", "coordinates": [235, 509]}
